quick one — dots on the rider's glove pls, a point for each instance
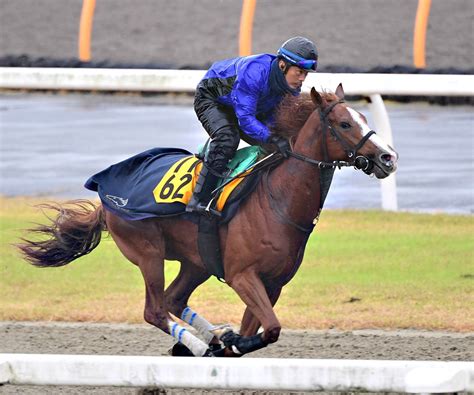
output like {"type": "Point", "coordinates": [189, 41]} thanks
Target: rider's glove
{"type": "Point", "coordinates": [282, 145]}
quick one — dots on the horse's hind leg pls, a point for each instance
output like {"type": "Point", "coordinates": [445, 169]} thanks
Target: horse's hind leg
{"type": "Point", "coordinates": [155, 306]}
{"type": "Point", "coordinates": [177, 296]}
{"type": "Point", "coordinates": [142, 243]}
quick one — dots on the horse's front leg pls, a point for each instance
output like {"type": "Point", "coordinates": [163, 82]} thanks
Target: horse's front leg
{"type": "Point", "coordinates": [250, 288]}
{"type": "Point", "coordinates": [250, 323]}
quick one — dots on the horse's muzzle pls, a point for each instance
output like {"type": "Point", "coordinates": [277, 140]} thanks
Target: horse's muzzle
{"type": "Point", "coordinates": [389, 161]}
{"type": "Point", "coordinates": [384, 164]}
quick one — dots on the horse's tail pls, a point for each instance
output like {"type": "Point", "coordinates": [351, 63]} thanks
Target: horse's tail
{"type": "Point", "coordinates": [75, 232]}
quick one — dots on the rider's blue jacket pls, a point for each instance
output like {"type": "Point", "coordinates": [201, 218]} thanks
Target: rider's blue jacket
{"type": "Point", "coordinates": [245, 84]}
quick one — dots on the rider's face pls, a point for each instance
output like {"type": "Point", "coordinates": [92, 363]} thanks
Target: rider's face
{"type": "Point", "coordinates": [295, 77]}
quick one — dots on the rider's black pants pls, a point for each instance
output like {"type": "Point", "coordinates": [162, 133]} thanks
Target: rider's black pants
{"type": "Point", "coordinates": [221, 125]}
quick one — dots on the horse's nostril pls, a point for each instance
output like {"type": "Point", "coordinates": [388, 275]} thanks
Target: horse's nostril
{"type": "Point", "coordinates": [386, 159]}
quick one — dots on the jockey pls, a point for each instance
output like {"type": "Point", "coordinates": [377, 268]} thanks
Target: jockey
{"type": "Point", "coordinates": [237, 98]}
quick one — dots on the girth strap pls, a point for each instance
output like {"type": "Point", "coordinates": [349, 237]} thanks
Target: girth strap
{"type": "Point", "coordinates": [209, 245]}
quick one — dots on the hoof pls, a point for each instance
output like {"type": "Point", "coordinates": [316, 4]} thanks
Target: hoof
{"type": "Point", "coordinates": [240, 345]}
{"type": "Point", "coordinates": [223, 352]}
{"type": "Point", "coordinates": [180, 350]}
{"type": "Point", "coordinates": [209, 353]}
{"type": "Point", "coordinates": [220, 352]}
{"type": "Point", "coordinates": [215, 350]}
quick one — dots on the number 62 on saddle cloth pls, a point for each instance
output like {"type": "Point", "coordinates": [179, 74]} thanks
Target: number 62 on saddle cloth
{"type": "Point", "coordinates": [159, 182]}
{"type": "Point", "coordinates": [178, 183]}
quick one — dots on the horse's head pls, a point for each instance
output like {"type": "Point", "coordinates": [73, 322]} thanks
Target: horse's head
{"type": "Point", "coordinates": [347, 136]}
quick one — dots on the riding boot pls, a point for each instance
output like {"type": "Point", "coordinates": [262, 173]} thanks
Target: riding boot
{"type": "Point", "coordinates": [202, 194]}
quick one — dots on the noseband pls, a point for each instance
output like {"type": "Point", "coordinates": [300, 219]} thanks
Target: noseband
{"type": "Point", "coordinates": [360, 162]}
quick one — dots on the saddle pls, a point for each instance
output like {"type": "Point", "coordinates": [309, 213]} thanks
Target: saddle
{"type": "Point", "coordinates": [160, 182]}
{"type": "Point", "coordinates": [178, 183]}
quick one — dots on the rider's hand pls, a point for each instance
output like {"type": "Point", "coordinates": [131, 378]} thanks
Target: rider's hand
{"type": "Point", "coordinates": [282, 145]}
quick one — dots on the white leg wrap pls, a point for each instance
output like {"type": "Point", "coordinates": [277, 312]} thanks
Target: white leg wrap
{"type": "Point", "coordinates": [200, 324]}
{"type": "Point", "coordinates": [197, 346]}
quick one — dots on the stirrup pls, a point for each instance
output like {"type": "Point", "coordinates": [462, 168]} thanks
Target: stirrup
{"type": "Point", "coordinates": [201, 208]}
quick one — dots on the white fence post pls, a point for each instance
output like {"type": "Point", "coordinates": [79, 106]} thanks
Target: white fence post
{"type": "Point", "coordinates": [388, 185]}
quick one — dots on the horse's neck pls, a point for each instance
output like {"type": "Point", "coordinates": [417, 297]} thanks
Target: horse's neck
{"type": "Point", "coordinates": [298, 183]}
{"type": "Point", "coordinates": [309, 139]}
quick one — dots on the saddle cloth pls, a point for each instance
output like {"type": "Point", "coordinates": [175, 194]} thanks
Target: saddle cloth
{"type": "Point", "coordinates": [159, 183]}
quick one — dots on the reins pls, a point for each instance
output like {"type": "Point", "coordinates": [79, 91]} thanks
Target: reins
{"type": "Point", "coordinates": [320, 164]}
{"type": "Point", "coordinates": [359, 162]}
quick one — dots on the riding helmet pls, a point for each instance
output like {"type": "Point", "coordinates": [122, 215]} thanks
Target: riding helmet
{"type": "Point", "coordinates": [299, 51]}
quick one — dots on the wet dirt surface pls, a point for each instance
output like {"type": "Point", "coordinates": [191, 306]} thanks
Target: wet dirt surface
{"type": "Point", "coordinates": [183, 33]}
{"type": "Point", "coordinates": [121, 339]}
{"type": "Point", "coordinates": [46, 149]}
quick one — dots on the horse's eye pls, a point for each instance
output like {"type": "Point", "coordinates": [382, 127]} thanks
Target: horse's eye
{"type": "Point", "coordinates": [345, 125]}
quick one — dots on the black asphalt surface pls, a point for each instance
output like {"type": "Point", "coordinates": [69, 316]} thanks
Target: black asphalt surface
{"type": "Point", "coordinates": [362, 33]}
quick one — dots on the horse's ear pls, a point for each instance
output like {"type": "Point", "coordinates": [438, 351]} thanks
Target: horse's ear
{"type": "Point", "coordinates": [316, 97]}
{"type": "Point", "coordinates": [340, 91]}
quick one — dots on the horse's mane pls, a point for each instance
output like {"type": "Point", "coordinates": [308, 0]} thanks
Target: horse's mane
{"type": "Point", "coordinates": [293, 112]}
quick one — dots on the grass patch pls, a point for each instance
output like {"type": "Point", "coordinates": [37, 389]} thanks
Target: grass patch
{"type": "Point", "coordinates": [362, 269]}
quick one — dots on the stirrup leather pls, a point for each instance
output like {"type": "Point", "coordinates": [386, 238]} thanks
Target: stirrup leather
{"type": "Point", "coordinates": [202, 200]}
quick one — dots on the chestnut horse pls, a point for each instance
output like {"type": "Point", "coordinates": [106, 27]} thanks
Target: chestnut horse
{"type": "Point", "coordinates": [262, 246]}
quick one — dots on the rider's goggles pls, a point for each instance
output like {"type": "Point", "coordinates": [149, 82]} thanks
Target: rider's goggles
{"type": "Point", "coordinates": [298, 60]}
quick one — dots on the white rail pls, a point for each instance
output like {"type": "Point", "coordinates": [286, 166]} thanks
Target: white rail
{"type": "Point", "coordinates": [247, 373]}
{"type": "Point", "coordinates": [370, 85]}
{"type": "Point", "coordinates": [186, 81]}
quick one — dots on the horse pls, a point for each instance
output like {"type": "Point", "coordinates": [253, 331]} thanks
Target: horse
{"type": "Point", "coordinates": [262, 245]}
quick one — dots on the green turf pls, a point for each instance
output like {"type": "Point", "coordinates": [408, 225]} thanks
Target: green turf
{"type": "Point", "coordinates": [362, 269]}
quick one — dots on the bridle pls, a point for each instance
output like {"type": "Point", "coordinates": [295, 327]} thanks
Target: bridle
{"type": "Point", "coordinates": [358, 161]}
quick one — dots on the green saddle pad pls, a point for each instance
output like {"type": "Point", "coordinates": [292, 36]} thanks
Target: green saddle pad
{"type": "Point", "coordinates": [243, 159]}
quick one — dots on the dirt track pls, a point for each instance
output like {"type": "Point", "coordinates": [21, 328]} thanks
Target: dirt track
{"type": "Point", "coordinates": [180, 33]}
{"type": "Point", "coordinates": [363, 34]}
{"type": "Point", "coordinates": [62, 338]}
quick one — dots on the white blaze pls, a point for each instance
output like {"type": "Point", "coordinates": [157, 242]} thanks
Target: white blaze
{"type": "Point", "coordinates": [366, 129]}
